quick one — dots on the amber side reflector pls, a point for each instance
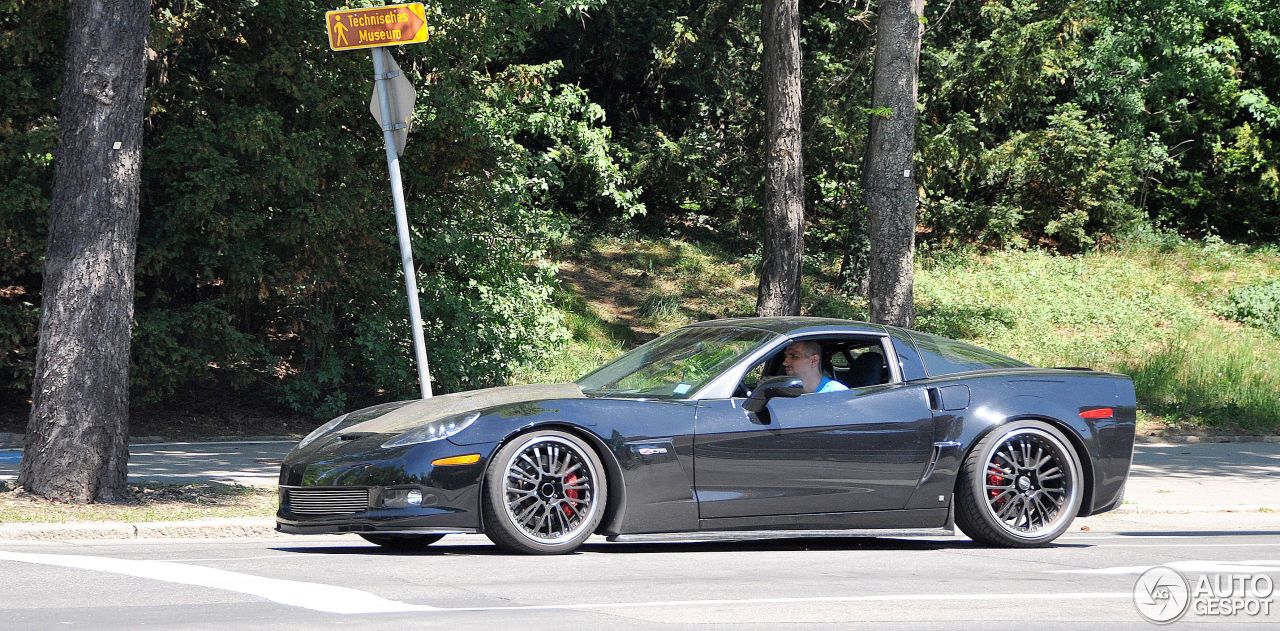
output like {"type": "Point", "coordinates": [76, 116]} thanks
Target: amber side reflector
{"type": "Point", "coordinates": [1098, 413]}
{"type": "Point", "coordinates": [456, 460]}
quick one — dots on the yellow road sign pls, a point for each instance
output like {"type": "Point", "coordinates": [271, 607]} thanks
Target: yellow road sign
{"type": "Point", "coordinates": [392, 25]}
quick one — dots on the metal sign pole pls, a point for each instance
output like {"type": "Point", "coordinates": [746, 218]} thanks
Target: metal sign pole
{"type": "Point", "coordinates": [402, 220]}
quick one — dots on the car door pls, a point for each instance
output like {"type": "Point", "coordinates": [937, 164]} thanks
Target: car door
{"type": "Point", "coordinates": [863, 449]}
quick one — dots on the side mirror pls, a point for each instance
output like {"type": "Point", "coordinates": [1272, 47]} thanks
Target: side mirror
{"type": "Point", "coordinates": [784, 386]}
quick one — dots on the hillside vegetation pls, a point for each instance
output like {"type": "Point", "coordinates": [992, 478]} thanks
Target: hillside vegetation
{"type": "Point", "coordinates": [268, 284]}
{"type": "Point", "coordinates": [1149, 308]}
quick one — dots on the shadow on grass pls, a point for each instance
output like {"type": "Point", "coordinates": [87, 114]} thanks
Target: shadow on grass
{"type": "Point", "coordinates": [963, 322]}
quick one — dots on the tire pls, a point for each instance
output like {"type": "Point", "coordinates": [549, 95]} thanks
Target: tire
{"type": "Point", "coordinates": [544, 493]}
{"type": "Point", "coordinates": [402, 543]}
{"type": "Point", "coordinates": [1020, 486]}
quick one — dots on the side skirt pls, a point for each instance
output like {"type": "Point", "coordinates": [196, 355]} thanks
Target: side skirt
{"type": "Point", "coordinates": [868, 520]}
{"type": "Point", "coordinates": [889, 523]}
{"type": "Point", "coordinates": [736, 535]}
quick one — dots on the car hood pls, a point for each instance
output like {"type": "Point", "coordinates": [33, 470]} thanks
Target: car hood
{"type": "Point", "coordinates": [416, 413]}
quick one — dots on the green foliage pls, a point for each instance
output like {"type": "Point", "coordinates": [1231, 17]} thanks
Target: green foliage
{"type": "Point", "coordinates": [1199, 78]}
{"type": "Point", "coordinates": [267, 257]}
{"type": "Point", "coordinates": [30, 76]}
{"type": "Point", "coordinates": [1068, 181]}
{"type": "Point", "coordinates": [1254, 305]}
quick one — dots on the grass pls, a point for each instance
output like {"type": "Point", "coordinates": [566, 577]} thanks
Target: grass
{"type": "Point", "coordinates": [146, 504]}
{"type": "Point", "coordinates": [1231, 377]}
{"type": "Point", "coordinates": [1143, 308]}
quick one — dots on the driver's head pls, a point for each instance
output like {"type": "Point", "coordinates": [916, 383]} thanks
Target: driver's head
{"type": "Point", "coordinates": [803, 359]}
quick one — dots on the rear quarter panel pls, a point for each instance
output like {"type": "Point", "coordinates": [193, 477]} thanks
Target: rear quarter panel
{"type": "Point", "coordinates": [1053, 396]}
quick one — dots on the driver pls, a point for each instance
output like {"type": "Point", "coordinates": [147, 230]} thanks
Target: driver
{"type": "Point", "coordinates": [803, 360]}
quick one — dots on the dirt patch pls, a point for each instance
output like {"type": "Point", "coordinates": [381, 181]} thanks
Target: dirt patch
{"type": "Point", "coordinates": [1159, 427]}
{"type": "Point", "coordinates": [143, 503]}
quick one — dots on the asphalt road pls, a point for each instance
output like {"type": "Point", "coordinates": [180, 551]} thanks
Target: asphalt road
{"type": "Point", "coordinates": [1206, 510]}
{"type": "Point", "coordinates": [1086, 581]}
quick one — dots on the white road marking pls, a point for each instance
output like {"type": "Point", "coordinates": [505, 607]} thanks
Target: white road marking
{"type": "Point", "coordinates": [813, 599]}
{"type": "Point", "coordinates": [1187, 545]}
{"type": "Point", "coordinates": [1189, 536]}
{"type": "Point", "coordinates": [268, 556]}
{"type": "Point", "coordinates": [314, 596]}
{"type": "Point", "coordinates": [343, 600]}
{"type": "Point", "coordinates": [1199, 567]}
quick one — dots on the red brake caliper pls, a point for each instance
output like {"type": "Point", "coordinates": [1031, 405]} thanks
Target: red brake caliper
{"type": "Point", "coordinates": [995, 478]}
{"type": "Point", "coordinates": [571, 495]}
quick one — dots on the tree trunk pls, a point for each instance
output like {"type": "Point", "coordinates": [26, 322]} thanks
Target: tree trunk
{"type": "Point", "coordinates": [888, 170]}
{"type": "Point", "coordinates": [784, 176]}
{"type": "Point", "coordinates": [77, 438]}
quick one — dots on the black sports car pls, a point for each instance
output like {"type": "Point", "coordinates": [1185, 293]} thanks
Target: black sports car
{"type": "Point", "coordinates": [700, 430]}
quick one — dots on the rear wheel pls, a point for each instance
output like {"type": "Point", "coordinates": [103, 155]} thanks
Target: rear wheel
{"type": "Point", "coordinates": [402, 543]}
{"type": "Point", "coordinates": [545, 493]}
{"type": "Point", "coordinates": [1021, 486]}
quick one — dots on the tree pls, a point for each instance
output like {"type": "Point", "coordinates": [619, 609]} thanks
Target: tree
{"type": "Point", "coordinates": [784, 168]}
{"type": "Point", "coordinates": [77, 438]}
{"type": "Point", "coordinates": [888, 169]}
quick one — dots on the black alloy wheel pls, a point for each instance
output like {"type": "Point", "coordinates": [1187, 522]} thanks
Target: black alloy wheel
{"type": "Point", "coordinates": [1021, 486]}
{"type": "Point", "coordinates": [545, 493]}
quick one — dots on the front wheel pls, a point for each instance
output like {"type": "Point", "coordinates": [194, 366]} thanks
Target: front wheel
{"type": "Point", "coordinates": [1020, 487]}
{"type": "Point", "coordinates": [545, 493]}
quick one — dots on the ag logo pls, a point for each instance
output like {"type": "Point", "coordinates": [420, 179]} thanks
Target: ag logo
{"type": "Point", "coordinates": [1161, 594]}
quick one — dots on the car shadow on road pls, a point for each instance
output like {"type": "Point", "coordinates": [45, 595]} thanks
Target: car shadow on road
{"type": "Point", "coordinates": [790, 544]}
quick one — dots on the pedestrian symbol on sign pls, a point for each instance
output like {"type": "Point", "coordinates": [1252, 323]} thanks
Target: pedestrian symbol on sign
{"type": "Point", "coordinates": [340, 31]}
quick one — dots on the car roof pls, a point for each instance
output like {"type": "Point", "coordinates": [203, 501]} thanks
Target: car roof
{"type": "Point", "coordinates": [797, 325]}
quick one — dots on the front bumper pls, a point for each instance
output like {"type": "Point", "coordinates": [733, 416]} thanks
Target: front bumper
{"type": "Point", "coordinates": [374, 518]}
{"type": "Point", "coordinates": [349, 487]}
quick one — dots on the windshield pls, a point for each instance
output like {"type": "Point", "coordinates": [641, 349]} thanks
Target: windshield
{"type": "Point", "coordinates": [675, 365]}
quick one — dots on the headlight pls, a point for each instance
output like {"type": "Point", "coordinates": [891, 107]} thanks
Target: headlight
{"type": "Point", "coordinates": [435, 430]}
{"type": "Point", "coordinates": [322, 430]}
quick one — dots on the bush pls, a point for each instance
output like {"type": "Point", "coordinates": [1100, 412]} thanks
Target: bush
{"type": "Point", "coordinates": [1253, 305]}
{"type": "Point", "coordinates": [1071, 182]}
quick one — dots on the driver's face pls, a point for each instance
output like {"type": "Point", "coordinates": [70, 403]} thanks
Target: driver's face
{"type": "Point", "coordinates": [795, 360]}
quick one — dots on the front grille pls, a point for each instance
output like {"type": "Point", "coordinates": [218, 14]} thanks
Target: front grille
{"type": "Point", "coordinates": [326, 501]}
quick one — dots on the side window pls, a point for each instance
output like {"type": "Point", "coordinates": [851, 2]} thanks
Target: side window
{"type": "Point", "coordinates": [840, 360]}
{"type": "Point", "coordinates": [752, 377]}
{"type": "Point", "coordinates": [942, 356]}
{"type": "Point", "coordinates": [857, 361]}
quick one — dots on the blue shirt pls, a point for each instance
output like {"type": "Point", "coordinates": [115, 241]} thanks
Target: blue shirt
{"type": "Point", "coordinates": [830, 385]}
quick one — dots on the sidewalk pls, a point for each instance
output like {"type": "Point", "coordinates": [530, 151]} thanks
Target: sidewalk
{"type": "Point", "coordinates": [1228, 486]}
{"type": "Point", "coordinates": [249, 462]}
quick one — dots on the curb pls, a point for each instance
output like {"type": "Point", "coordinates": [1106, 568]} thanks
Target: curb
{"type": "Point", "coordinates": [195, 529]}
{"type": "Point", "coordinates": [1177, 509]}
{"type": "Point", "coordinates": [1184, 440]}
